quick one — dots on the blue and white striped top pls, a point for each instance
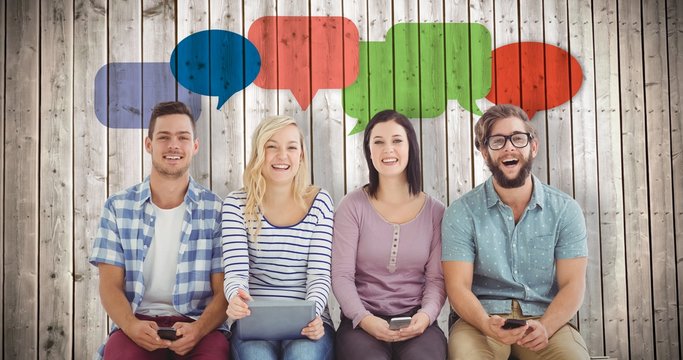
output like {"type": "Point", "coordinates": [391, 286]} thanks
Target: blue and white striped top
{"type": "Point", "coordinates": [290, 262]}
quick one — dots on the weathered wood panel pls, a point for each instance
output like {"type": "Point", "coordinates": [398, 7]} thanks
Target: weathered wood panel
{"type": "Point", "coordinates": [90, 173]}
{"type": "Point", "coordinates": [481, 12]}
{"type": "Point", "coordinates": [531, 18]}
{"type": "Point", "coordinates": [623, 131]}
{"type": "Point", "coordinates": [227, 124]}
{"type": "Point", "coordinates": [125, 146]}
{"type": "Point", "coordinates": [193, 16]}
{"type": "Point", "coordinates": [287, 103]}
{"type": "Point", "coordinates": [432, 85]}
{"type": "Point", "coordinates": [2, 163]}
{"type": "Point", "coordinates": [356, 170]}
{"type": "Point", "coordinates": [327, 112]}
{"type": "Point", "coordinates": [658, 131]}
{"type": "Point", "coordinates": [458, 120]}
{"type": "Point", "coordinates": [22, 111]}
{"type": "Point", "coordinates": [55, 313]}
{"type": "Point", "coordinates": [584, 137]}
{"type": "Point", "coordinates": [558, 119]}
{"type": "Point", "coordinates": [611, 188]}
{"type": "Point", "coordinates": [403, 73]}
{"type": "Point", "coordinates": [259, 103]}
{"type": "Point", "coordinates": [158, 25]}
{"type": "Point", "coordinates": [638, 260]}
{"type": "Point", "coordinates": [674, 15]}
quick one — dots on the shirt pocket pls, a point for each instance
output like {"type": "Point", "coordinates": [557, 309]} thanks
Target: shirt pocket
{"type": "Point", "coordinates": [542, 253]}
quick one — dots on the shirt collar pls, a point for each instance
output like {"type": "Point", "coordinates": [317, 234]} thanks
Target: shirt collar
{"type": "Point", "coordinates": [537, 196]}
{"type": "Point", "coordinates": [145, 194]}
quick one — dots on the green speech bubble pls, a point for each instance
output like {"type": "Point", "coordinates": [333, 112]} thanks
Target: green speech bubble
{"type": "Point", "coordinates": [434, 58]}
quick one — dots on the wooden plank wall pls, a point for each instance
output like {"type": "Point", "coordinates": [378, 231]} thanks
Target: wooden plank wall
{"type": "Point", "coordinates": [617, 146]}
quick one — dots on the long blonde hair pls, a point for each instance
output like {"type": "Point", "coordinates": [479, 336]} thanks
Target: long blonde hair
{"type": "Point", "coordinates": [255, 183]}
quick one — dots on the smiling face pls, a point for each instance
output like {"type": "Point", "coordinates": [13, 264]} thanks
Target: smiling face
{"type": "Point", "coordinates": [172, 145]}
{"type": "Point", "coordinates": [282, 156]}
{"type": "Point", "coordinates": [389, 148]}
{"type": "Point", "coordinates": [510, 166]}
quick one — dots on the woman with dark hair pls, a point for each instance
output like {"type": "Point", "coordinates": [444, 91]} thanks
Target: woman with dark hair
{"type": "Point", "coordinates": [386, 253]}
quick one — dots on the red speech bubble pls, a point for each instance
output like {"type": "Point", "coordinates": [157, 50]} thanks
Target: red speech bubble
{"type": "Point", "coordinates": [305, 54]}
{"type": "Point", "coordinates": [544, 84]}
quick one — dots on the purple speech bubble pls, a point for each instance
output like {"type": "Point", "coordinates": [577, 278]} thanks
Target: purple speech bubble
{"type": "Point", "coordinates": [135, 86]}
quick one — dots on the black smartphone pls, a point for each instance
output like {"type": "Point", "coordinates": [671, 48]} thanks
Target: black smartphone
{"type": "Point", "coordinates": [167, 333]}
{"type": "Point", "coordinates": [513, 323]}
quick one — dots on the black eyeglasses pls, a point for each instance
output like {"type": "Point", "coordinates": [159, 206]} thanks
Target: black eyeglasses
{"type": "Point", "coordinates": [518, 140]}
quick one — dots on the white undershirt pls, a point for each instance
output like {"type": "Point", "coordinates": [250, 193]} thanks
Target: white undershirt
{"type": "Point", "coordinates": [159, 267]}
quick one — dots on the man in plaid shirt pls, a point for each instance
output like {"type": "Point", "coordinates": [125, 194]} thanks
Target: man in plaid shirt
{"type": "Point", "coordinates": [158, 250]}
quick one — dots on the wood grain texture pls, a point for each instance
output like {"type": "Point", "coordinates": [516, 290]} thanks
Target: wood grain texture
{"type": "Point", "coordinates": [258, 102]}
{"type": "Point", "coordinates": [287, 102]}
{"type": "Point", "coordinates": [228, 156]}
{"type": "Point", "coordinates": [459, 136]}
{"type": "Point", "coordinates": [327, 112]}
{"type": "Point", "coordinates": [432, 85]}
{"type": "Point", "coordinates": [634, 153]}
{"type": "Point", "coordinates": [125, 146]}
{"type": "Point", "coordinates": [616, 146]}
{"type": "Point", "coordinates": [481, 12]}
{"type": "Point", "coordinates": [660, 184]}
{"type": "Point", "coordinates": [532, 20]}
{"type": "Point", "coordinates": [3, 44]}
{"type": "Point", "coordinates": [584, 136]}
{"type": "Point", "coordinates": [611, 187]}
{"type": "Point", "coordinates": [193, 16]}
{"type": "Point", "coordinates": [355, 164]}
{"type": "Point", "coordinates": [22, 112]}
{"type": "Point", "coordinates": [158, 27]}
{"type": "Point", "coordinates": [56, 240]}
{"type": "Point", "coordinates": [674, 15]}
{"type": "Point", "coordinates": [558, 118]}
{"type": "Point", "coordinates": [89, 174]}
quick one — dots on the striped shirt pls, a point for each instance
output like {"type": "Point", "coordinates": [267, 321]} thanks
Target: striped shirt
{"type": "Point", "coordinates": [287, 262]}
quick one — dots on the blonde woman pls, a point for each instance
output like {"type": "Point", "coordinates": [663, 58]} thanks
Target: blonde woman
{"type": "Point", "coordinates": [277, 240]}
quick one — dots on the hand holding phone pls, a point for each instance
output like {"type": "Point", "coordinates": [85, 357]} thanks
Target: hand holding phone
{"type": "Point", "coordinates": [397, 323]}
{"type": "Point", "coordinates": [513, 324]}
{"type": "Point", "coordinates": [167, 333]}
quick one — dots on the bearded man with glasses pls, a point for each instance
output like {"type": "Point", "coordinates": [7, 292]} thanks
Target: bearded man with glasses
{"type": "Point", "coordinates": [514, 253]}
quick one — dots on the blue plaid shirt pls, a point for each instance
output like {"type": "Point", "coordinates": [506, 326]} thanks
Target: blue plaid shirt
{"type": "Point", "coordinates": [514, 261]}
{"type": "Point", "coordinates": [126, 232]}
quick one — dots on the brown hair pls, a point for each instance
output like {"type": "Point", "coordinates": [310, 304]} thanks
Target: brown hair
{"type": "Point", "coordinates": [482, 129]}
{"type": "Point", "coordinates": [170, 108]}
{"type": "Point", "coordinates": [413, 170]}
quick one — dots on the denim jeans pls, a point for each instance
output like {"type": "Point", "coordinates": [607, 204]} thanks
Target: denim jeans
{"type": "Point", "coordinates": [300, 349]}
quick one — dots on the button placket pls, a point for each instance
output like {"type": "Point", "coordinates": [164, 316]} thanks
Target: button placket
{"type": "Point", "coordinates": [394, 248]}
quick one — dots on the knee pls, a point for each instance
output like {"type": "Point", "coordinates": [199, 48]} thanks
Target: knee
{"type": "Point", "coordinates": [120, 346]}
{"type": "Point", "coordinates": [213, 346]}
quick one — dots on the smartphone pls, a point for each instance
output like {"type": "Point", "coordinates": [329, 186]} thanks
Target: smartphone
{"type": "Point", "coordinates": [167, 333]}
{"type": "Point", "coordinates": [513, 323]}
{"type": "Point", "coordinates": [399, 322]}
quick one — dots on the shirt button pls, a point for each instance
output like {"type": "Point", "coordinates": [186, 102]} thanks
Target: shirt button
{"type": "Point", "coordinates": [509, 217]}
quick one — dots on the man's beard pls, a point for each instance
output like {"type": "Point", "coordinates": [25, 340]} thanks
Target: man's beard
{"type": "Point", "coordinates": [515, 182]}
{"type": "Point", "coordinates": [170, 172]}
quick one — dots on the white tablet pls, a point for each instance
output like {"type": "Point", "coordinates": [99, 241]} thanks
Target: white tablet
{"type": "Point", "coordinates": [275, 319]}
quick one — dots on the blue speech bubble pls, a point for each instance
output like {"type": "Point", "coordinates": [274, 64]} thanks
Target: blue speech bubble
{"type": "Point", "coordinates": [215, 63]}
{"type": "Point", "coordinates": [125, 93]}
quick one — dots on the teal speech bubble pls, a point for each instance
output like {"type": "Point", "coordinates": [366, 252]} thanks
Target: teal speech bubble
{"type": "Point", "coordinates": [417, 68]}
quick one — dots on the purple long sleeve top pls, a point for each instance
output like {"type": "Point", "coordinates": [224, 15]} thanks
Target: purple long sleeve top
{"type": "Point", "coordinates": [381, 268]}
